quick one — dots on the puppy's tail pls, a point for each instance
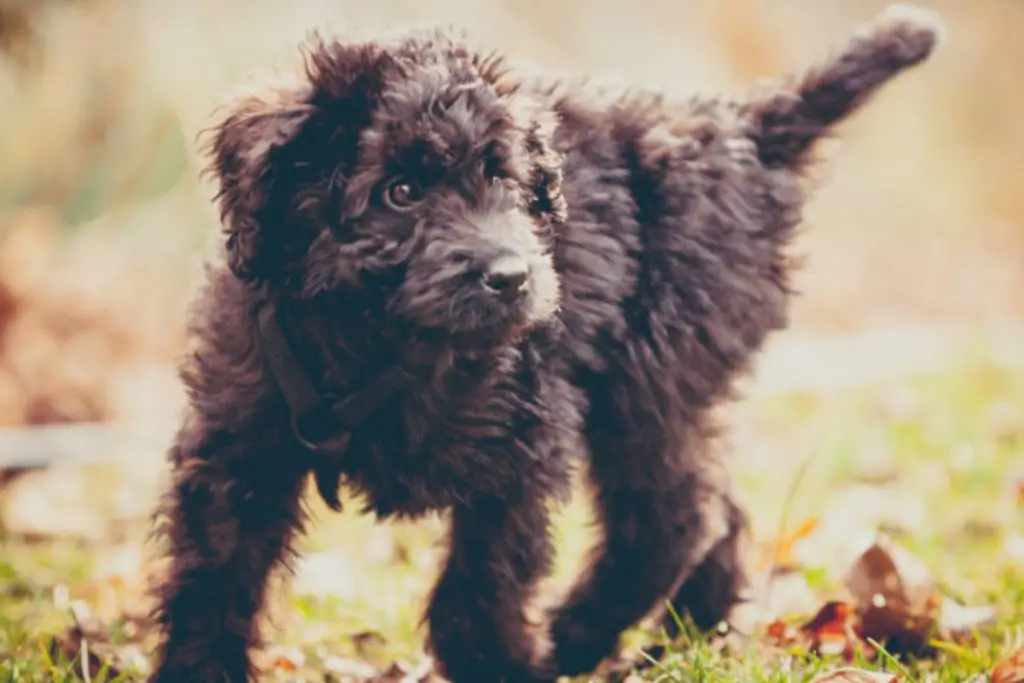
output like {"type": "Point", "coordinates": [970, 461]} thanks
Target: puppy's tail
{"type": "Point", "coordinates": [788, 120]}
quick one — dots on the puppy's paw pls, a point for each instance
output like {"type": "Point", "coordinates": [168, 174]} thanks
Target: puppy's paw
{"type": "Point", "coordinates": [578, 647]}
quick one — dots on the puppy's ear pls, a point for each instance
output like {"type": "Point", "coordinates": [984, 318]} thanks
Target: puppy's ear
{"type": "Point", "coordinates": [243, 150]}
{"type": "Point", "coordinates": [545, 168]}
{"type": "Point", "coordinates": [272, 145]}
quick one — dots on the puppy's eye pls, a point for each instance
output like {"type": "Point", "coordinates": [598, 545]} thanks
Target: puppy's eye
{"type": "Point", "coordinates": [402, 195]}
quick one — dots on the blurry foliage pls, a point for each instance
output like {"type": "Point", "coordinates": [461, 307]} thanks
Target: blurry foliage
{"type": "Point", "coordinates": [88, 137]}
{"type": "Point", "coordinates": [127, 148]}
{"type": "Point", "coordinates": [108, 138]}
{"type": "Point", "coordinates": [19, 26]}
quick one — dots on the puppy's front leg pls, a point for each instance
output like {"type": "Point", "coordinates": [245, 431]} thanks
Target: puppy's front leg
{"type": "Point", "coordinates": [478, 626]}
{"type": "Point", "coordinates": [233, 509]}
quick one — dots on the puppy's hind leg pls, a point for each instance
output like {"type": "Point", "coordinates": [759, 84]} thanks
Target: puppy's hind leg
{"type": "Point", "coordinates": [719, 583]}
{"type": "Point", "coordinates": [661, 515]}
{"type": "Point", "coordinates": [233, 510]}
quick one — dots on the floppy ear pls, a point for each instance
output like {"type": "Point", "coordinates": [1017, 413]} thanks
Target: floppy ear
{"type": "Point", "coordinates": [545, 177]}
{"type": "Point", "coordinates": [272, 144]}
{"type": "Point", "coordinates": [243, 150]}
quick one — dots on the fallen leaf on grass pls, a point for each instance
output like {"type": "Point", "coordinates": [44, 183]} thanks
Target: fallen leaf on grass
{"type": "Point", "coordinates": [851, 675]}
{"type": "Point", "coordinates": [893, 601]}
{"type": "Point", "coordinates": [888, 569]}
{"type": "Point", "coordinates": [833, 632]}
{"type": "Point", "coordinates": [832, 618]}
{"type": "Point", "coordinates": [280, 659]}
{"type": "Point", "coordinates": [895, 598]}
{"type": "Point", "coordinates": [780, 552]}
{"type": "Point", "coordinates": [781, 633]}
{"type": "Point", "coordinates": [1010, 670]}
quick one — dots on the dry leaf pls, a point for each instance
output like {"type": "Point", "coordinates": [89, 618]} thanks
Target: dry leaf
{"type": "Point", "coordinates": [895, 598]}
{"type": "Point", "coordinates": [851, 675]}
{"type": "Point", "coordinates": [781, 632]}
{"type": "Point", "coordinates": [887, 569]}
{"type": "Point", "coordinates": [832, 631]}
{"type": "Point", "coordinates": [281, 659]}
{"type": "Point", "coordinates": [833, 618]}
{"type": "Point", "coordinates": [780, 553]}
{"type": "Point", "coordinates": [1010, 670]}
{"type": "Point", "coordinates": [835, 631]}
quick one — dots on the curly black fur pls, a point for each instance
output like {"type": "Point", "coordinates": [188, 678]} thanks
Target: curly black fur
{"type": "Point", "coordinates": [640, 246]}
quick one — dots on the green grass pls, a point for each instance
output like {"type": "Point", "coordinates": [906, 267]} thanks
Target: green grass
{"type": "Point", "coordinates": [948, 447]}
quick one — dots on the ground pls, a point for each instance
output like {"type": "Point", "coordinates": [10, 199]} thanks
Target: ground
{"type": "Point", "coordinates": [932, 462]}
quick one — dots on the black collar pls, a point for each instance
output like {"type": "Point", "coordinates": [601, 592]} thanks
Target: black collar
{"type": "Point", "coordinates": [323, 423]}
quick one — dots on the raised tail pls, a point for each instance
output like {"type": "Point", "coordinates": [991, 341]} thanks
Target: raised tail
{"type": "Point", "coordinates": [789, 119]}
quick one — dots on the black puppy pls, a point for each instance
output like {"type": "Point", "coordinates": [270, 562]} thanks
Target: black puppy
{"type": "Point", "coordinates": [441, 281]}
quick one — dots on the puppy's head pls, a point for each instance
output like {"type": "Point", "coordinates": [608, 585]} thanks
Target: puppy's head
{"type": "Point", "coordinates": [414, 174]}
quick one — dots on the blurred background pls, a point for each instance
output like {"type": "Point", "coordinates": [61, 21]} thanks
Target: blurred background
{"type": "Point", "coordinates": [919, 218]}
{"type": "Point", "coordinates": [915, 238]}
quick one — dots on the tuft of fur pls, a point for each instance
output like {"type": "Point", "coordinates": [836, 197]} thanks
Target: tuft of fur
{"type": "Point", "coordinates": [590, 273]}
{"type": "Point", "coordinates": [791, 119]}
{"type": "Point", "coordinates": [795, 116]}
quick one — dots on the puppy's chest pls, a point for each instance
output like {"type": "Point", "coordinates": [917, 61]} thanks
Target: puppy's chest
{"type": "Point", "coordinates": [437, 444]}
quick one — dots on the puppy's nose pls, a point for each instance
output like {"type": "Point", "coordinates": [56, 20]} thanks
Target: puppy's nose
{"type": "Point", "coordinates": [507, 276]}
